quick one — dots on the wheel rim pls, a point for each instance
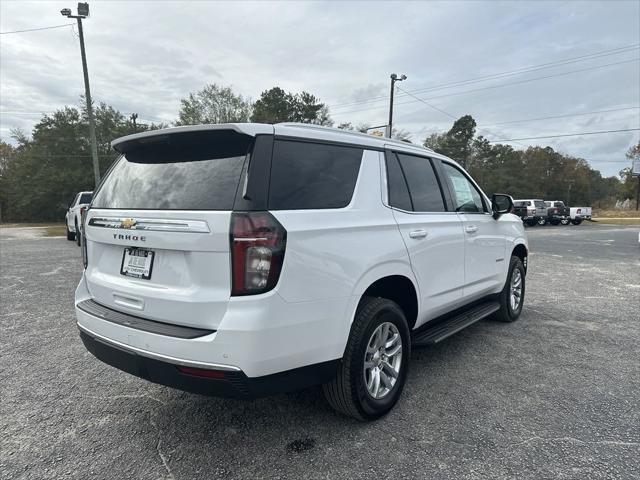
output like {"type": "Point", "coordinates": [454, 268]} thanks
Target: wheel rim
{"type": "Point", "coordinates": [382, 360]}
{"type": "Point", "coordinates": [516, 290]}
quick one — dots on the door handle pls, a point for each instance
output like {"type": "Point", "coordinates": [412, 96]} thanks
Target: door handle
{"type": "Point", "coordinates": [418, 234]}
{"type": "Point", "coordinates": [471, 229]}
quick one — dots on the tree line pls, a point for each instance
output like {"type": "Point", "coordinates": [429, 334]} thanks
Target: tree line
{"type": "Point", "coordinates": [40, 173]}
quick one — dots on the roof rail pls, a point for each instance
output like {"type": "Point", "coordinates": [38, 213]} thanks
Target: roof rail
{"type": "Point", "coordinates": [312, 126]}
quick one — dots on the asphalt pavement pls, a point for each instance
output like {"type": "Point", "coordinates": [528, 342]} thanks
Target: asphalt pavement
{"type": "Point", "coordinates": [553, 395]}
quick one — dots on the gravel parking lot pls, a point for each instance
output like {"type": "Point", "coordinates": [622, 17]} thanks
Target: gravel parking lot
{"type": "Point", "coordinates": [554, 395]}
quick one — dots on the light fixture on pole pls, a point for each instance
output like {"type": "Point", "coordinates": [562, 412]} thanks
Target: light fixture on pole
{"type": "Point", "coordinates": [83, 12]}
{"type": "Point", "coordinates": [394, 79]}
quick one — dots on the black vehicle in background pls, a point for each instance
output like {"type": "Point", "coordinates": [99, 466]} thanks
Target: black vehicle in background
{"type": "Point", "coordinates": [557, 212]}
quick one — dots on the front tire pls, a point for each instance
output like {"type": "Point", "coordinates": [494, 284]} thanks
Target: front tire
{"type": "Point", "coordinates": [576, 221]}
{"type": "Point", "coordinates": [70, 235]}
{"type": "Point", "coordinates": [531, 223]}
{"type": "Point", "coordinates": [565, 221]}
{"type": "Point", "coordinates": [512, 296]}
{"type": "Point", "coordinates": [373, 370]}
{"type": "Point", "coordinates": [542, 222]}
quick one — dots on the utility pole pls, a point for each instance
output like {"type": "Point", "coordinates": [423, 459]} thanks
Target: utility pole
{"type": "Point", "coordinates": [394, 79]}
{"type": "Point", "coordinates": [83, 12]}
{"type": "Point", "coordinates": [134, 117]}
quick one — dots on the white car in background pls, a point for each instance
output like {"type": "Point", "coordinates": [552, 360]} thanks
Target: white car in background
{"type": "Point", "coordinates": [74, 213]}
{"type": "Point", "coordinates": [245, 260]}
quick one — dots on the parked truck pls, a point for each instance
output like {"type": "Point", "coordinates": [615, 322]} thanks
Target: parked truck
{"type": "Point", "coordinates": [557, 212]}
{"type": "Point", "coordinates": [531, 212]}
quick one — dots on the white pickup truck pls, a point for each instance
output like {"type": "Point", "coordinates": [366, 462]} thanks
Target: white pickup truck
{"type": "Point", "coordinates": [74, 212]}
{"type": "Point", "coordinates": [578, 214]}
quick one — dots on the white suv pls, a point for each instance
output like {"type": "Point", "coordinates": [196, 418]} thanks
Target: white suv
{"type": "Point", "coordinates": [74, 214]}
{"type": "Point", "coordinates": [246, 259]}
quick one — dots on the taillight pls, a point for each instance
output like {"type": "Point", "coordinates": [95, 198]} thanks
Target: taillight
{"type": "Point", "coordinates": [258, 243]}
{"type": "Point", "coordinates": [83, 237]}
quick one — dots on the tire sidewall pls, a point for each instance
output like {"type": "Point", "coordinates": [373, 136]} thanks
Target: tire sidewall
{"type": "Point", "coordinates": [516, 263]}
{"type": "Point", "coordinates": [373, 408]}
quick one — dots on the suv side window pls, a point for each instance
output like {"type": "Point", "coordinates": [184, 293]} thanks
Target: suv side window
{"type": "Point", "coordinates": [424, 189]}
{"type": "Point", "coordinates": [466, 196]}
{"type": "Point", "coordinates": [397, 185]}
{"type": "Point", "coordinates": [312, 175]}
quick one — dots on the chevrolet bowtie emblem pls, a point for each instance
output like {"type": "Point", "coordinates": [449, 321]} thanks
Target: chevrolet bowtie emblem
{"type": "Point", "coordinates": [127, 223]}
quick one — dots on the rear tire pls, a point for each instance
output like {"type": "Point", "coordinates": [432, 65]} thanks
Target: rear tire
{"type": "Point", "coordinates": [565, 221]}
{"type": "Point", "coordinates": [542, 222]}
{"type": "Point", "coordinates": [353, 391]}
{"type": "Point", "coordinates": [531, 223]}
{"type": "Point", "coordinates": [514, 288]}
{"type": "Point", "coordinates": [77, 234]}
{"type": "Point", "coordinates": [576, 221]}
{"type": "Point", "coordinates": [555, 222]}
{"type": "Point", "coordinates": [70, 234]}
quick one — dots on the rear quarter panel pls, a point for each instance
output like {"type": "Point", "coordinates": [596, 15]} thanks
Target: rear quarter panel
{"type": "Point", "coordinates": [333, 255]}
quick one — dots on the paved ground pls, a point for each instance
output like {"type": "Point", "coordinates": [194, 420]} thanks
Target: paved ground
{"type": "Point", "coordinates": [554, 395]}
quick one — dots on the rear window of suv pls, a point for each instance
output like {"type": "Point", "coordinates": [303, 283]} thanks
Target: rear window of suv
{"type": "Point", "coordinates": [85, 198]}
{"type": "Point", "coordinates": [308, 175]}
{"type": "Point", "coordinates": [177, 172]}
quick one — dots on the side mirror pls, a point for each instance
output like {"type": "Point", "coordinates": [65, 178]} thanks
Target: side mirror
{"type": "Point", "coordinates": [501, 204]}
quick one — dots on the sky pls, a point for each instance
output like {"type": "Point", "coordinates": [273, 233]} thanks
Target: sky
{"type": "Point", "coordinates": [482, 58]}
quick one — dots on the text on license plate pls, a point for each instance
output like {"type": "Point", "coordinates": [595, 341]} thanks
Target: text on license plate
{"type": "Point", "coordinates": [137, 262]}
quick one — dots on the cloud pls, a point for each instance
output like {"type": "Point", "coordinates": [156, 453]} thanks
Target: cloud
{"type": "Point", "coordinates": [143, 57]}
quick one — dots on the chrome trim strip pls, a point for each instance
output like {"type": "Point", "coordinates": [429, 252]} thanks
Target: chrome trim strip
{"type": "Point", "coordinates": [158, 356]}
{"type": "Point", "coordinates": [152, 224]}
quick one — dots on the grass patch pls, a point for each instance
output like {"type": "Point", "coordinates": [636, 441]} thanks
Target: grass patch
{"type": "Point", "coordinates": [55, 231]}
{"type": "Point", "coordinates": [31, 225]}
{"type": "Point", "coordinates": [616, 213]}
{"type": "Point", "coordinates": [617, 221]}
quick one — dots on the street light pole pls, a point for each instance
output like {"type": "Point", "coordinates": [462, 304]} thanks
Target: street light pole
{"type": "Point", "coordinates": [394, 79]}
{"type": "Point", "coordinates": [83, 12]}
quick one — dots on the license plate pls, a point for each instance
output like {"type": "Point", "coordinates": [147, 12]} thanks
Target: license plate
{"type": "Point", "coordinates": [137, 262]}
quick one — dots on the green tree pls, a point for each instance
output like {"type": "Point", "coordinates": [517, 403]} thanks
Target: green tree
{"type": "Point", "coordinates": [44, 172]}
{"type": "Point", "coordinates": [275, 106]}
{"type": "Point", "coordinates": [214, 104]}
{"type": "Point", "coordinates": [535, 172]}
{"type": "Point", "coordinates": [457, 142]}
{"type": "Point", "coordinates": [629, 183]}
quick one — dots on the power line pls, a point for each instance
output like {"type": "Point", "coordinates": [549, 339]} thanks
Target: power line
{"type": "Point", "coordinates": [428, 104]}
{"type": "Point", "coordinates": [603, 53]}
{"type": "Point", "coordinates": [566, 135]}
{"type": "Point", "coordinates": [447, 113]}
{"type": "Point", "coordinates": [490, 87]}
{"type": "Point", "coordinates": [561, 116]}
{"type": "Point", "coordinates": [37, 29]}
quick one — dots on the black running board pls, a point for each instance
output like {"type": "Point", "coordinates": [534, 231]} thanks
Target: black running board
{"type": "Point", "coordinates": [447, 327]}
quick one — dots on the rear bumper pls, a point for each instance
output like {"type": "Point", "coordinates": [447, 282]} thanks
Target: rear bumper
{"type": "Point", "coordinates": [230, 382]}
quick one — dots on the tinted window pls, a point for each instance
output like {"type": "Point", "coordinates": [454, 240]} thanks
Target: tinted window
{"type": "Point", "coordinates": [310, 175]}
{"type": "Point", "coordinates": [423, 184]}
{"type": "Point", "coordinates": [466, 196]}
{"type": "Point", "coordinates": [540, 204]}
{"type": "Point", "coordinates": [182, 171]}
{"type": "Point", "coordinates": [86, 198]}
{"type": "Point", "coordinates": [398, 192]}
